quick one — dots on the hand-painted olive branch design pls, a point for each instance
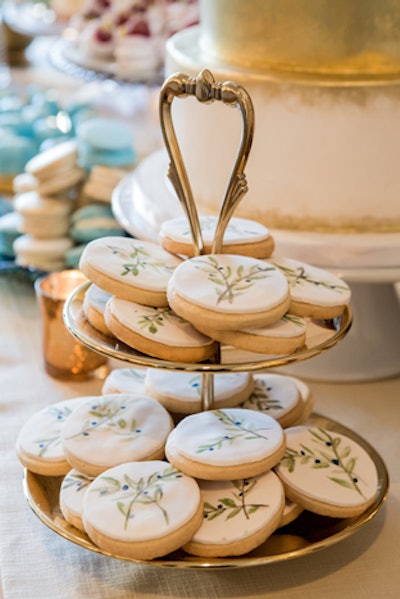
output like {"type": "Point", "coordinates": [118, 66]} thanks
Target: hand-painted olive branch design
{"type": "Point", "coordinates": [261, 399]}
{"type": "Point", "coordinates": [234, 429]}
{"type": "Point", "coordinates": [107, 416]}
{"type": "Point", "coordinates": [232, 506]}
{"type": "Point", "coordinates": [299, 276]}
{"type": "Point", "coordinates": [330, 455]}
{"type": "Point", "coordinates": [76, 480]}
{"type": "Point", "coordinates": [231, 284]}
{"type": "Point", "coordinates": [138, 260]}
{"type": "Point", "coordinates": [130, 492]}
{"type": "Point", "coordinates": [59, 414]}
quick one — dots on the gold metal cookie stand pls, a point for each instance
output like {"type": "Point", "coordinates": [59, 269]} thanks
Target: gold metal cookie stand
{"type": "Point", "coordinates": [309, 532]}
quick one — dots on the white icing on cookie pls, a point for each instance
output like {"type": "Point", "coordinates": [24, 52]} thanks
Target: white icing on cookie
{"type": "Point", "coordinates": [140, 501]}
{"type": "Point", "coordinates": [234, 510]}
{"type": "Point", "coordinates": [239, 230]}
{"type": "Point", "coordinates": [110, 429]}
{"type": "Point", "coordinates": [139, 263]}
{"type": "Point", "coordinates": [229, 283]}
{"type": "Point", "coordinates": [96, 298]}
{"type": "Point", "coordinates": [72, 491]}
{"type": "Point", "coordinates": [124, 380]}
{"type": "Point", "coordinates": [273, 394]}
{"type": "Point", "coordinates": [310, 284]}
{"type": "Point", "coordinates": [40, 436]}
{"type": "Point", "coordinates": [230, 436]}
{"type": "Point", "coordinates": [186, 386]}
{"type": "Point", "coordinates": [286, 327]}
{"type": "Point", "coordinates": [328, 467]}
{"type": "Point", "coordinates": [158, 324]}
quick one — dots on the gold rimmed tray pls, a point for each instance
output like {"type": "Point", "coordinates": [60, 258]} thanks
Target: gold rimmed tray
{"type": "Point", "coordinates": [308, 534]}
{"type": "Point", "coordinates": [320, 336]}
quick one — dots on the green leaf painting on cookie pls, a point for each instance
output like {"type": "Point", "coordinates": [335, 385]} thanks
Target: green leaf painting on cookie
{"type": "Point", "coordinates": [128, 492]}
{"type": "Point", "coordinates": [108, 415]}
{"type": "Point", "coordinates": [329, 455]}
{"type": "Point", "coordinates": [138, 260]}
{"type": "Point", "coordinates": [236, 503]}
{"type": "Point", "coordinates": [60, 415]}
{"type": "Point", "coordinates": [157, 318]}
{"type": "Point", "coordinates": [233, 429]}
{"type": "Point", "coordinates": [299, 276]}
{"type": "Point", "coordinates": [228, 283]}
{"type": "Point", "coordinates": [74, 479]}
{"type": "Point", "coordinates": [260, 397]}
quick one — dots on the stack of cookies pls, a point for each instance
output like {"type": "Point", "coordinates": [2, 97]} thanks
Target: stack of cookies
{"type": "Point", "coordinates": [172, 305]}
{"type": "Point", "coordinates": [142, 483]}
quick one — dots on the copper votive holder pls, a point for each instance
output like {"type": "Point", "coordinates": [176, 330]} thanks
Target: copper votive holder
{"type": "Point", "coordinates": [64, 356]}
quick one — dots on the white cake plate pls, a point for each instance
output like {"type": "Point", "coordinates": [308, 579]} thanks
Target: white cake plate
{"type": "Point", "coordinates": [369, 263]}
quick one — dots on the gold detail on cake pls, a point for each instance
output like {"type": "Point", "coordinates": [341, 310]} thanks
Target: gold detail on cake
{"type": "Point", "coordinates": [352, 38]}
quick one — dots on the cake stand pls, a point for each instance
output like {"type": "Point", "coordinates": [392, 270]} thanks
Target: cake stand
{"type": "Point", "coordinates": [369, 263]}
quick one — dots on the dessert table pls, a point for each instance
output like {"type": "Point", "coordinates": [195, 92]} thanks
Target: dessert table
{"type": "Point", "coordinates": [36, 562]}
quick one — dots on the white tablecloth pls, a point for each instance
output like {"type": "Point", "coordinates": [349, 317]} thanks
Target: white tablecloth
{"type": "Point", "coordinates": [37, 563]}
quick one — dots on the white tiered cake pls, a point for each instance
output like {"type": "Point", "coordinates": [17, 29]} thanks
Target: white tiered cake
{"type": "Point", "coordinates": [325, 83]}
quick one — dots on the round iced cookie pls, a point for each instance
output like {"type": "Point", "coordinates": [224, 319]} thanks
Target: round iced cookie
{"type": "Point", "coordinates": [285, 336]}
{"type": "Point", "coordinates": [327, 473]}
{"type": "Point", "coordinates": [226, 444]}
{"type": "Point", "coordinates": [180, 392]}
{"type": "Point", "coordinates": [142, 510]}
{"type": "Point", "coordinates": [112, 429]}
{"type": "Point", "coordinates": [72, 492]}
{"type": "Point", "coordinates": [314, 292]}
{"type": "Point", "coordinates": [228, 292]}
{"type": "Point", "coordinates": [277, 396]}
{"type": "Point", "coordinates": [158, 332]}
{"type": "Point", "coordinates": [38, 444]}
{"type": "Point", "coordinates": [238, 515]}
{"type": "Point", "coordinates": [291, 512]}
{"type": "Point", "coordinates": [134, 270]}
{"type": "Point", "coordinates": [242, 236]}
{"type": "Point", "coordinates": [93, 307]}
{"type": "Point", "coordinates": [125, 380]}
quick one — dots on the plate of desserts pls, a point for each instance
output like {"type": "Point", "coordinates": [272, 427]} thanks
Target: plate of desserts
{"type": "Point", "coordinates": [122, 42]}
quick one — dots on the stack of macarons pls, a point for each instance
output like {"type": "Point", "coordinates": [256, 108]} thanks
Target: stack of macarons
{"type": "Point", "coordinates": [46, 209]}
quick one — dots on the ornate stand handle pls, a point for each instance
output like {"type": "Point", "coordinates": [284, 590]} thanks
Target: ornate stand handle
{"type": "Point", "coordinates": [206, 90]}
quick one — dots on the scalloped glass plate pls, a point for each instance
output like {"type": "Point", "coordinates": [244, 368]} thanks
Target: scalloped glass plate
{"type": "Point", "coordinates": [320, 336]}
{"type": "Point", "coordinates": [307, 534]}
